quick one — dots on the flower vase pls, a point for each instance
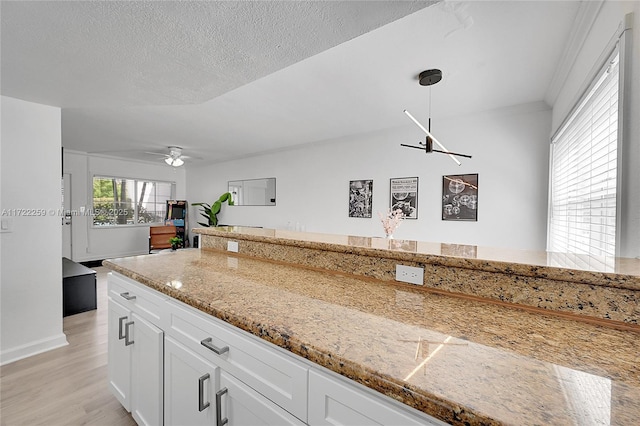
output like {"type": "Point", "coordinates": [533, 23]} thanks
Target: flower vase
{"type": "Point", "coordinates": [389, 236]}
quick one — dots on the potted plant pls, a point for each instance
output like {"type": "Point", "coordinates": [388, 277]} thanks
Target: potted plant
{"type": "Point", "coordinates": [210, 212]}
{"type": "Point", "coordinates": [176, 242]}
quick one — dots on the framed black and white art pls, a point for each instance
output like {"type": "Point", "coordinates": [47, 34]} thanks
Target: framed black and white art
{"type": "Point", "coordinates": [404, 196]}
{"type": "Point", "coordinates": [360, 198]}
{"type": "Point", "coordinates": [460, 197]}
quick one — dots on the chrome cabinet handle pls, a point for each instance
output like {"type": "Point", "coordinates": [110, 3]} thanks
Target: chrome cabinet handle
{"type": "Point", "coordinates": [201, 404]}
{"type": "Point", "coordinates": [219, 420]}
{"type": "Point", "coordinates": [207, 344]}
{"type": "Point", "coordinates": [127, 342]}
{"type": "Point", "coordinates": [127, 296]}
{"type": "Point", "coordinates": [120, 335]}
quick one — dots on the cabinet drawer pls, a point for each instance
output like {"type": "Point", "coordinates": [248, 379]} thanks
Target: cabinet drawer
{"type": "Point", "coordinates": [263, 366]}
{"type": "Point", "coordinates": [336, 401]}
{"type": "Point", "coordinates": [139, 298]}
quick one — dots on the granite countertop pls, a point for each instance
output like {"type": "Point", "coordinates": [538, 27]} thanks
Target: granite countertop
{"type": "Point", "coordinates": [460, 360]}
{"type": "Point", "coordinates": [613, 271]}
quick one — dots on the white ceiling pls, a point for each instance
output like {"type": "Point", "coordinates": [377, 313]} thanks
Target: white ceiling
{"type": "Point", "coordinates": [229, 79]}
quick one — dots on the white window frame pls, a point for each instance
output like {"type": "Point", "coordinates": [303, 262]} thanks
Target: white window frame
{"type": "Point", "coordinates": [620, 45]}
{"type": "Point", "coordinates": [135, 214]}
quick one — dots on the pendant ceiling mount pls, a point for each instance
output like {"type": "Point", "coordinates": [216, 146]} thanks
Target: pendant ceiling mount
{"type": "Point", "coordinates": [430, 77]}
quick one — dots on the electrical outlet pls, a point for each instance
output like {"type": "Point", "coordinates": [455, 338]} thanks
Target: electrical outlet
{"type": "Point", "coordinates": [232, 246]}
{"type": "Point", "coordinates": [7, 224]}
{"type": "Point", "coordinates": [410, 274]}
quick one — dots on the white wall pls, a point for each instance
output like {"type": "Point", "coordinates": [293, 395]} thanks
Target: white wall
{"type": "Point", "coordinates": [89, 243]}
{"type": "Point", "coordinates": [510, 151]}
{"type": "Point", "coordinates": [30, 262]}
{"type": "Point", "coordinates": [611, 15]}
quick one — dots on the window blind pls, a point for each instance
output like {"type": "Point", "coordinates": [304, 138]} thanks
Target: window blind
{"type": "Point", "coordinates": [583, 172]}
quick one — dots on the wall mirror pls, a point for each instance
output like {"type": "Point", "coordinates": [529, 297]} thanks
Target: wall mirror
{"type": "Point", "coordinates": [253, 192]}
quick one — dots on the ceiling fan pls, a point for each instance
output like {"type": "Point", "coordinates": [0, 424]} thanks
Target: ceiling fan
{"type": "Point", "coordinates": [174, 157]}
{"type": "Point", "coordinates": [428, 78]}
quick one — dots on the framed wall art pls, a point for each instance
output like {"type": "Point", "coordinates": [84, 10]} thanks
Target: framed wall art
{"type": "Point", "coordinates": [404, 196]}
{"type": "Point", "coordinates": [460, 197]}
{"type": "Point", "coordinates": [360, 198]}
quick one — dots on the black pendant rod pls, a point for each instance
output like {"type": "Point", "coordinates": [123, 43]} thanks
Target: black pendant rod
{"type": "Point", "coordinates": [451, 153]}
{"type": "Point", "coordinates": [423, 148]}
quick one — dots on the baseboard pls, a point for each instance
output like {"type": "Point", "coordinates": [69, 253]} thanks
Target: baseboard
{"type": "Point", "coordinates": [33, 348]}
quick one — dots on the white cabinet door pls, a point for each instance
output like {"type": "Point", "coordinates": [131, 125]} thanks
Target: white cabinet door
{"type": "Point", "coordinates": [147, 360]}
{"type": "Point", "coordinates": [276, 375]}
{"type": "Point", "coordinates": [190, 385]}
{"type": "Point", "coordinates": [119, 354]}
{"type": "Point", "coordinates": [242, 406]}
{"type": "Point", "coordinates": [135, 348]}
{"type": "Point", "coordinates": [333, 401]}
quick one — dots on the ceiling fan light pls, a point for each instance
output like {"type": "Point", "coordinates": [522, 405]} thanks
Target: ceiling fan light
{"type": "Point", "coordinates": [175, 162]}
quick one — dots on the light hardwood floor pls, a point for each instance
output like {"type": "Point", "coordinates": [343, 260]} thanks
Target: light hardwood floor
{"type": "Point", "coordinates": [65, 386]}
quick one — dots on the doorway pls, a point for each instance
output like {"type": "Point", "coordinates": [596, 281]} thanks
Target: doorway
{"type": "Point", "coordinates": [67, 217]}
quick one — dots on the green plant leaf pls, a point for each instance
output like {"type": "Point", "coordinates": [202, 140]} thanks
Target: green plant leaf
{"type": "Point", "coordinates": [210, 212]}
{"type": "Point", "coordinates": [215, 209]}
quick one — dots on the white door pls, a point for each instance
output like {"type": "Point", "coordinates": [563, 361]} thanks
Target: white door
{"type": "Point", "coordinates": [119, 354]}
{"type": "Point", "coordinates": [242, 406]}
{"type": "Point", "coordinates": [66, 216]}
{"type": "Point", "coordinates": [147, 359]}
{"type": "Point", "coordinates": [190, 385]}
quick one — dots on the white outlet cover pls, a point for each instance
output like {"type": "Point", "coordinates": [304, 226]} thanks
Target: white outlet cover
{"type": "Point", "coordinates": [232, 246]}
{"type": "Point", "coordinates": [410, 274]}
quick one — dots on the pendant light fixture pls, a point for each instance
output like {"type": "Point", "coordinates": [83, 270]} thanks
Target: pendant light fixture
{"type": "Point", "coordinates": [429, 78]}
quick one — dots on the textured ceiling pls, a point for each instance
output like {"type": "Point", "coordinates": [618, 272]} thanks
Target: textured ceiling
{"type": "Point", "coordinates": [280, 86]}
{"type": "Point", "coordinates": [115, 53]}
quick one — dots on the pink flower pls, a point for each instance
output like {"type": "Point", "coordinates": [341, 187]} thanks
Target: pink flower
{"type": "Point", "coordinates": [391, 220]}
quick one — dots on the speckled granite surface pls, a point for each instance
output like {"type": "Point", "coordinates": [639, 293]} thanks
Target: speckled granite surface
{"type": "Point", "coordinates": [462, 361]}
{"type": "Point", "coordinates": [580, 285]}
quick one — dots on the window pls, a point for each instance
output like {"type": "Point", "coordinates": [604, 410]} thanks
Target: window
{"type": "Point", "coordinates": [584, 162]}
{"type": "Point", "coordinates": [152, 201]}
{"type": "Point", "coordinates": [120, 201]}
